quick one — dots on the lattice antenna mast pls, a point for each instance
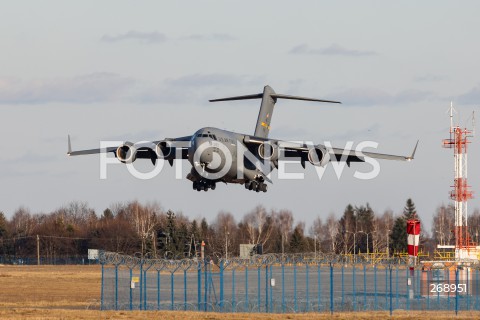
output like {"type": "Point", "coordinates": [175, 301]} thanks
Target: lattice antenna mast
{"type": "Point", "coordinates": [461, 192]}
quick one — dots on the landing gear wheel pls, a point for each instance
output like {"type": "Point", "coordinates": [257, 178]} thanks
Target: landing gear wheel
{"type": "Point", "coordinates": [213, 186]}
{"type": "Point", "coordinates": [264, 187]}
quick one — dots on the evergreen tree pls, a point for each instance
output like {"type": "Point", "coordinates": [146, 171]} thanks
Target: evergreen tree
{"type": "Point", "coordinates": [107, 214]}
{"type": "Point", "coordinates": [409, 212]}
{"type": "Point", "coordinates": [398, 236]}
{"type": "Point", "coordinates": [3, 225]}
{"type": "Point", "coordinates": [346, 228]}
{"type": "Point", "coordinates": [171, 234]}
{"type": "Point", "coordinates": [203, 229]}
{"type": "Point", "coordinates": [364, 226]}
{"type": "Point", "coordinates": [194, 238]}
{"type": "Point", "coordinates": [297, 241]}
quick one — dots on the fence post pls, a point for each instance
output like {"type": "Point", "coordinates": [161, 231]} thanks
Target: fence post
{"type": "Point", "coordinates": [266, 288]}
{"type": "Point", "coordinates": [396, 287]}
{"type": "Point", "coordinates": [365, 287]}
{"type": "Point", "coordinates": [468, 288]}
{"type": "Point", "coordinates": [375, 301]}
{"type": "Point", "coordinates": [199, 285]}
{"type": "Point", "coordinates": [141, 285]}
{"type": "Point", "coordinates": [354, 267]}
{"type": "Point", "coordinates": [246, 288]}
{"type": "Point", "coordinates": [477, 293]}
{"type": "Point", "coordinates": [116, 287]}
{"type": "Point", "coordinates": [172, 290]}
{"type": "Point", "coordinates": [271, 291]}
{"type": "Point", "coordinates": [103, 286]}
{"type": "Point", "coordinates": [221, 265]}
{"type": "Point", "coordinates": [456, 291]}
{"type": "Point", "coordinates": [319, 291]}
{"type": "Point", "coordinates": [206, 284]}
{"type": "Point", "coordinates": [409, 285]}
{"type": "Point", "coordinates": [307, 283]}
{"type": "Point", "coordinates": [259, 300]}
{"type": "Point", "coordinates": [158, 289]}
{"type": "Point", "coordinates": [331, 288]}
{"type": "Point", "coordinates": [131, 290]}
{"type": "Point", "coordinates": [295, 286]}
{"type": "Point", "coordinates": [185, 289]}
{"type": "Point", "coordinates": [145, 289]}
{"type": "Point", "coordinates": [283, 288]}
{"type": "Point", "coordinates": [386, 286]}
{"type": "Point", "coordinates": [234, 309]}
{"type": "Point", "coordinates": [343, 287]}
{"type": "Point", "coordinates": [391, 305]}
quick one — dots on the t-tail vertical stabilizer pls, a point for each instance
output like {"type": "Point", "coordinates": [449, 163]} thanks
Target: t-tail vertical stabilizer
{"type": "Point", "coordinates": [269, 98]}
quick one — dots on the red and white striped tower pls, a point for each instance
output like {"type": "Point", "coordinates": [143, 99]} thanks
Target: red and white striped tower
{"type": "Point", "coordinates": [461, 192]}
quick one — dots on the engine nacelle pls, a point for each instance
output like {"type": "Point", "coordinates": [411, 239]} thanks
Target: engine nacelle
{"type": "Point", "coordinates": [164, 149]}
{"type": "Point", "coordinates": [268, 151]}
{"type": "Point", "coordinates": [318, 156]}
{"type": "Point", "coordinates": [126, 152]}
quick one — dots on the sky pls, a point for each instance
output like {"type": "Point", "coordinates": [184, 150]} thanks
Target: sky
{"type": "Point", "coordinates": [144, 70]}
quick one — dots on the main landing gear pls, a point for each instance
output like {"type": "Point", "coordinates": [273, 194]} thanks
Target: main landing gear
{"type": "Point", "coordinates": [204, 185]}
{"type": "Point", "coordinates": [256, 186]}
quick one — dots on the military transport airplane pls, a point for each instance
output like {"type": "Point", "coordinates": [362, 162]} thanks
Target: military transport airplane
{"type": "Point", "coordinates": [218, 155]}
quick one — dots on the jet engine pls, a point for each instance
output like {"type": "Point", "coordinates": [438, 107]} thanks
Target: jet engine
{"type": "Point", "coordinates": [268, 151]}
{"type": "Point", "coordinates": [126, 152]}
{"type": "Point", "coordinates": [164, 149]}
{"type": "Point", "coordinates": [318, 156]}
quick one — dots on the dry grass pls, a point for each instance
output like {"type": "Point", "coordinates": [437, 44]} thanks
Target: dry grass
{"type": "Point", "coordinates": [65, 292]}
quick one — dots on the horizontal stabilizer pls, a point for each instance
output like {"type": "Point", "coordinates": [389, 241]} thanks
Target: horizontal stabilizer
{"type": "Point", "coordinates": [284, 96]}
{"type": "Point", "coordinates": [247, 97]}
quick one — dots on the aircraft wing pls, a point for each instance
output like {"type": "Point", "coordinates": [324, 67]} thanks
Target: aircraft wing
{"type": "Point", "coordinates": [319, 154]}
{"type": "Point", "coordinates": [168, 149]}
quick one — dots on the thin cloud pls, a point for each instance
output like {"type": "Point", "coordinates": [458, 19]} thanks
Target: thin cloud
{"type": "Point", "coordinates": [194, 87]}
{"type": "Point", "coordinates": [221, 37]}
{"type": "Point", "coordinates": [153, 37]}
{"type": "Point", "coordinates": [470, 97]}
{"type": "Point", "coordinates": [430, 78]}
{"type": "Point", "coordinates": [375, 97]}
{"type": "Point", "coordinates": [209, 80]}
{"type": "Point", "coordinates": [95, 87]}
{"type": "Point", "coordinates": [332, 50]}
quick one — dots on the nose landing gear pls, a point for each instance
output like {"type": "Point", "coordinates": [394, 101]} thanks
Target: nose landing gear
{"type": "Point", "coordinates": [204, 185]}
{"type": "Point", "coordinates": [256, 186]}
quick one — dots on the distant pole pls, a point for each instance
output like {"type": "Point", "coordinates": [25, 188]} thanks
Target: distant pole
{"type": "Point", "coordinates": [226, 243]}
{"type": "Point", "coordinates": [38, 250]}
{"type": "Point", "coordinates": [315, 245]}
{"type": "Point", "coordinates": [388, 249]}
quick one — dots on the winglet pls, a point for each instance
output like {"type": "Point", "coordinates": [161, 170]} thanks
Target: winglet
{"type": "Point", "coordinates": [413, 153]}
{"type": "Point", "coordinates": [69, 146]}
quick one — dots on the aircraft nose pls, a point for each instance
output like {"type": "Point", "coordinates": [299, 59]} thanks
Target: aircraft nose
{"type": "Point", "coordinates": [207, 156]}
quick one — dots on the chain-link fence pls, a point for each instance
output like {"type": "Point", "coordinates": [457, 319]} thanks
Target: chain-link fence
{"type": "Point", "coordinates": [285, 283]}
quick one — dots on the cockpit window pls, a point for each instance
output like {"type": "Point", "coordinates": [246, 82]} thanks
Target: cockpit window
{"type": "Point", "coordinates": [205, 135]}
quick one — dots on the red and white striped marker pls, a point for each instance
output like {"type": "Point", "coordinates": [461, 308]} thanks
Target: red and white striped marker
{"type": "Point", "coordinates": [413, 231]}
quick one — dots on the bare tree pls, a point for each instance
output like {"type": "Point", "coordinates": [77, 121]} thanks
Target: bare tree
{"type": "Point", "coordinates": [284, 221]}
{"type": "Point", "coordinates": [331, 228]}
{"type": "Point", "coordinates": [144, 221]}
{"type": "Point", "coordinates": [258, 225]}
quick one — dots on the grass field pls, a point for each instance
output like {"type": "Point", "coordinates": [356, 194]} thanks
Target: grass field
{"type": "Point", "coordinates": [71, 292]}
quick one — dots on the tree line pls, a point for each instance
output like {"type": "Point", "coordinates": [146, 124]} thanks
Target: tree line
{"type": "Point", "coordinates": [147, 230]}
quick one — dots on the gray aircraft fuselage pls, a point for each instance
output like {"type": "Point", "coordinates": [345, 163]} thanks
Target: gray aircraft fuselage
{"type": "Point", "coordinates": [211, 145]}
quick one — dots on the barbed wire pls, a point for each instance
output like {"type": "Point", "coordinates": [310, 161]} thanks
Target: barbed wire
{"type": "Point", "coordinates": [266, 260]}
